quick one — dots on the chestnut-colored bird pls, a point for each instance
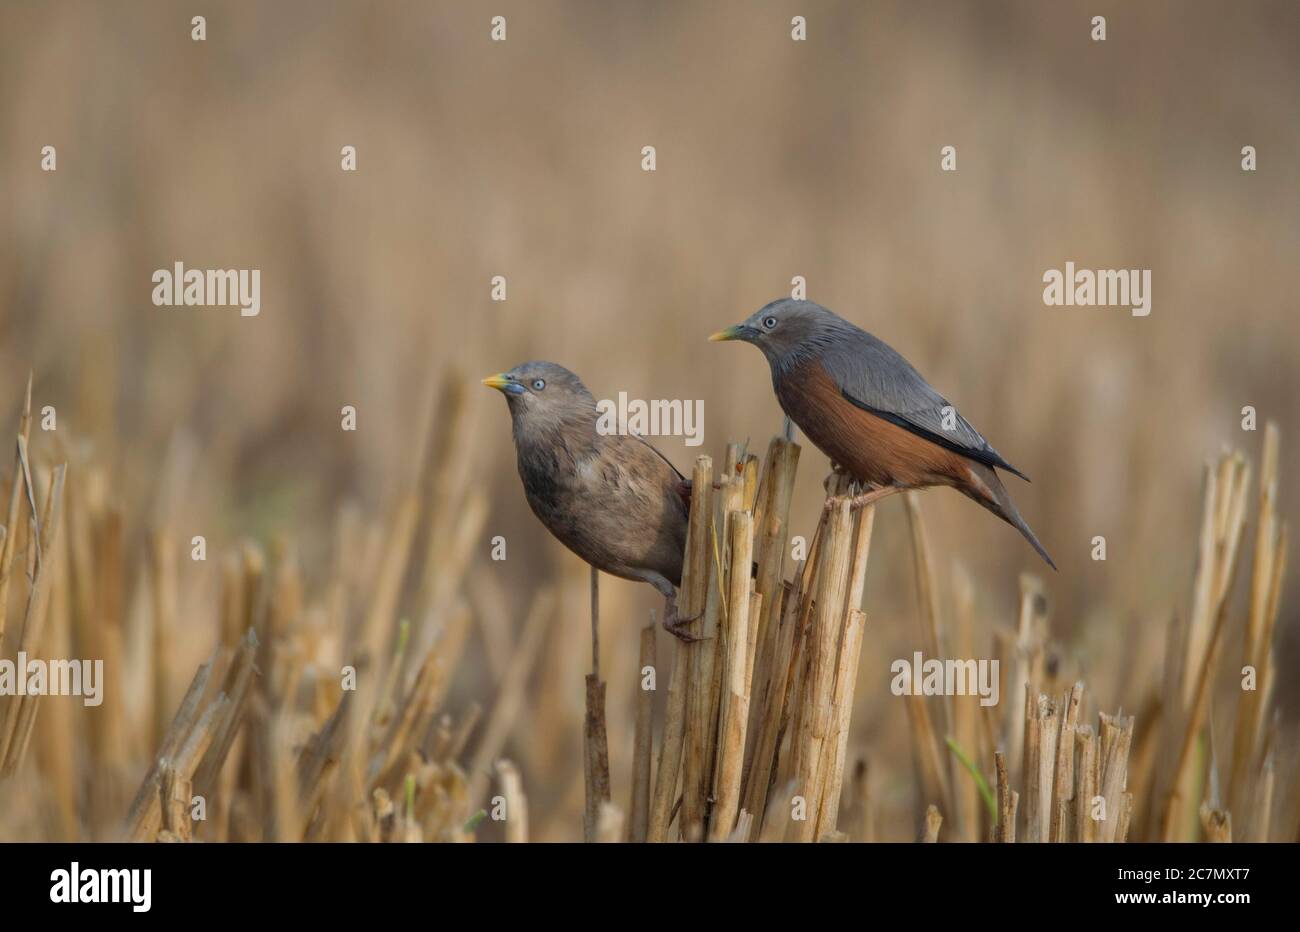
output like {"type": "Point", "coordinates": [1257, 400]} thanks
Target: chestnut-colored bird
{"type": "Point", "coordinates": [864, 406]}
{"type": "Point", "coordinates": [612, 499]}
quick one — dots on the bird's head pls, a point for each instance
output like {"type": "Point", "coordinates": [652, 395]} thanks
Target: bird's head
{"type": "Point", "coordinates": [543, 396]}
{"type": "Point", "coordinates": [782, 327]}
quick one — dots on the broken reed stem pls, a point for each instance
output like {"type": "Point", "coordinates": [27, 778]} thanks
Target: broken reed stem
{"type": "Point", "coordinates": [697, 573]}
{"type": "Point", "coordinates": [174, 800]}
{"type": "Point", "coordinates": [846, 673]}
{"type": "Point", "coordinates": [197, 742]}
{"type": "Point", "coordinates": [836, 751]}
{"type": "Point", "coordinates": [1205, 660]}
{"type": "Point", "coordinates": [1117, 738]}
{"type": "Point", "coordinates": [926, 591]}
{"type": "Point", "coordinates": [968, 812]}
{"type": "Point", "coordinates": [771, 534]}
{"type": "Point", "coordinates": [594, 736]}
{"type": "Point", "coordinates": [1027, 653]}
{"type": "Point", "coordinates": [10, 542]}
{"type": "Point", "coordinates": [816, 705]}
{"type": "Point", "coordinates": [775, 638]}
{"type": "Point", "coordinates": [1085, 771]}
{"type": "Point", "coordinates": [708, 662]}
{"type": "Point", "coordinates": [933, 821]}
{"type": "Point", "coordinates": [1217, 823]}
{"type": "Point", "coordinates": [163, 589]}
{"type": "Point", "coordinates": [1005, 829]}
{"type": "Point", "coordinates": [1222, 525]}
{"type": "Point", "coordinates": [181, 725]}
{"type": "Point", "coordinates": [1076, 783]}
{"type": "Point", "coordinates": [1266, 577]}
{"type": "Point", "coordinates": [670, 750]}
{"type": "Point", "coordinates": [20, 711]}
{"type": "Point", "coordinates": [595, 744]}
{"type": "Point", "coordinates": [512, 789]}
{"type": "Point", "coordinates": [12, 516]}
{"type": "Point", "coordinates": [762, 760]}
{"type": "Point", "coordinates": [736, 688]}
{"type": "Point", "coordinates": [1049, 728]}
{"type": "Point", "coordinates": [794, 708]}
{"type": "Point", "coordinates": [1063, 780]}
{"type": "Point", "coordinates": [643, 738]}
{"type": "Point", "coordinates": [928, 753]}
{"type": "Point", "coordinates": [235, 688]}
{"type": "Point", "coordinates": [744, 826]}
{"type": "Point", "coordinates": [695, 566]}
{"type": "Point", "coordinates": [788, 665]}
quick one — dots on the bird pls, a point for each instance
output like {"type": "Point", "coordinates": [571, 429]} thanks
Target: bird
{"type": "Point", "coordinates": [863, 405]}
{"type": "Point", "coordinates": [610, 497]}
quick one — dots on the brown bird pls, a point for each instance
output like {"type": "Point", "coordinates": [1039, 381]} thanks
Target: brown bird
{"type": "Point", "coordinates": [612, 499]}
{"type": "Point", "coordinates": [864, 406]}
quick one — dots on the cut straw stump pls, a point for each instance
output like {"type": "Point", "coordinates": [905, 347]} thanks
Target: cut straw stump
{"type": "Point", "coordinates": [643, 738]}
{"type": "Point", "coordinates": [817, 701]}
{"type": "Point", "coordinates": [512, 790]}
{"type": "Point", "coordinates": [702, 598]}
{"type": "Point", "coordinates": [737, 644]}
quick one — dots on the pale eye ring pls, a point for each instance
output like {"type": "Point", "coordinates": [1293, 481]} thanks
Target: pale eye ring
{"type": "Point", "coordinates": [539, 384]}
{"type": "Point", "coordinates": [769, 323]}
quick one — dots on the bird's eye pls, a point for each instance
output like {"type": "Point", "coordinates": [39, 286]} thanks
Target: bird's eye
{"type": "Point", "coordinates": [769, 323]}
{"type": "Point", "coordinates": [539, 384]}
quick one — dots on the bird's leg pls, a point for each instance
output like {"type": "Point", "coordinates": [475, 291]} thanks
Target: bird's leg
{"type": "Point", "coordinates": [595, 622]}
{"type": "Point", "coordinates": [836, 471]}
{"type": "Point", "coordinates": [675, 626]}
{"type": "Point", "coordinates": [869, 497]}
{"type": "Point", "coordinates": [672, 623]}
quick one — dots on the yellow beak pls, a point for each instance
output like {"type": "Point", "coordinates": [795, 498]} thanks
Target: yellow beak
{"type": "Point", "coordinates": [498, 381]}
{"type": "Point", "coordinates": [722, 335]}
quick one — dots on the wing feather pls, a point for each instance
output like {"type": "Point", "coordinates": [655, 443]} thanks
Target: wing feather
{"type": "Point", "coordinates": [876, 378]}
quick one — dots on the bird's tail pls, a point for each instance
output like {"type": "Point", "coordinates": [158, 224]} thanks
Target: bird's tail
{"type": "Point", "coordinates": [989, 491]}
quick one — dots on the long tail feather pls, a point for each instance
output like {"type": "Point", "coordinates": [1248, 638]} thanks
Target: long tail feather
{"type": "Point", "coordinates": [989, 491]}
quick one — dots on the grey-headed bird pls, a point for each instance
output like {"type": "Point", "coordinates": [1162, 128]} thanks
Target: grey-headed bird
{"type": "Point", "coordinates": [612, 499]}
{"type": "Point", "coordinates": [864, 406]}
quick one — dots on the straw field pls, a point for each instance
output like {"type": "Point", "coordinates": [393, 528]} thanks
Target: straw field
{"type": "Point", "coordinates": [312, 633]}
{"type": "Point", "coordinates": [755, 735]}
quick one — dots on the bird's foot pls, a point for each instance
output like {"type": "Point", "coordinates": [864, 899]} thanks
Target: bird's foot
{"type": "Point", "coordinates": [866, 498]}
{"type": "Point", "coordinates": [677, 627]}
{"type": "Point", "coordinates": [678, 630]}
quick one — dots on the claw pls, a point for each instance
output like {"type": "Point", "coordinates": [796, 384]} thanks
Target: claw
{"type": "Point", "coordinates": [866, 498]}
{"type": "Point", "coordinates": [678, 630]}
{"type": "Point", "coordinates": [677, 626]}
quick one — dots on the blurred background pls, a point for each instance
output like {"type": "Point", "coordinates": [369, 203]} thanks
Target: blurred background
{"type": "Point", "coordinates": [775, 159]}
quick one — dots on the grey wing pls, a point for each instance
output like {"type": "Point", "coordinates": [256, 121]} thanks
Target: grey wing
{"type": "Point", "coordinates": [875, 377]}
